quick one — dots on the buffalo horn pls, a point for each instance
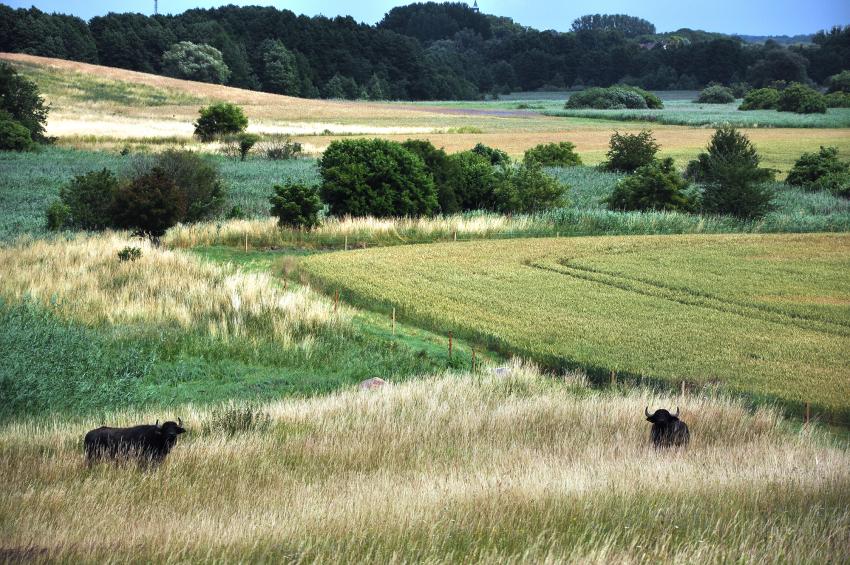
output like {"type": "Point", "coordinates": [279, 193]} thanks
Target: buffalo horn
{"type": "Point", "coordinates": [646, 411]}
{"type": "Point", "coordinates": [677, 411]}
{"type": "Point", "coordinates": [157, 423]}
{"type": "Point", "coordinates": [179, 422]}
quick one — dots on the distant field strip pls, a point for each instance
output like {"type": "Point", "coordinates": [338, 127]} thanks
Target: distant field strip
{"type": "Point", "coordinates": [766, 315]}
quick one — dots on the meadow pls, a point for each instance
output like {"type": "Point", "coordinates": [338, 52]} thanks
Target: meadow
{"type": "Point", "coordinates": [767, 316]}
{"type": "Point", "coordinates": [459, 467]}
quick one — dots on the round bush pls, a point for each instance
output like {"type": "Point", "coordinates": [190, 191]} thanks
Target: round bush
{"type": "Point", "coordinates": [801, 99]}
{"type": "Point", "coordinates": [220, 119]}
{"type": "Point", "coordinates": [89, 200]}
{"type": "Point", "coordinates": [150, 204]}
{"type": "Point", "coordinates": [716, 95]}
{"type": "Point", "coordinates": [198, 182]}
{"type": "Point", "coordinates": [192, 61]}
{"type": "Point", "coordinates": [627, 152]}
{"type": "Point", "coordinates": [837, 100]}
{"type": "Point", "coordinates": [13, 135]}
{"type": "Point", "coordinates": [474, 181]}
{"type": "Point", "coordinates": [553, 155]}
{"type": "Point", "coordinates": [495, 156]}
{"type": "Point", "coordinates": [811, 167]}
{"type": "Point", "coordinates": [527, 189]}
{"type": "Point", "coordinates": [296, 206]}
{"type": "Point", "coordinates": [760, 99]}
{"type": "Point", "coordinates": [655, 186]}
{"type": "Point", "coordinates": [375, 177]}
{"type": "Point", "coordinates": [614, 98]}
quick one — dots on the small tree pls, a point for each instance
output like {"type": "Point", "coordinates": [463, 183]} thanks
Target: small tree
{"type": "Point", "coordinates": [733, 181]}
{"type": "Point", "coordinates": [220, 119]}
{"type": "Point", "coordinates": [814, 171]}
{"type": "Point", "coordinates": [527, 189]}
{"type": "Point", "coordinates": [246, 141]}
{"type": "Point", "coordinates": [201, 191]}
{"type": "Point", "coordinates": [495, 156]}
{"type": "Point", "coordinates": [760, 99]}
{"type": "Point", "coordinates": [89, 200]}
{"type": "Point", "coordinates": [20, 98]}
{"type": "Point", "coordinates": [150, 204]}
{"type": "Point", "coordinates": [474, 181]}
{"type": "Point", "coordinates": [296, 206]}
{"type": "Point", "coordinates": [801, 99]}
{"type": "Point", "coordinates": [655, 186]}
{"type": "Point", "coordinates": [716, 94]}
{"type": "Point", "coordinates": [280, 69]}
{"type": "Point", "coordinates": [628, 152]}
{"type": "Point", "coordinates": [553, 155]}
{"type": "Point", "coordinates": [375, 177]}
{"type": "Point", "coordinates": [279, 146]}
{"type": "Point", "coordinates": [191, 61]}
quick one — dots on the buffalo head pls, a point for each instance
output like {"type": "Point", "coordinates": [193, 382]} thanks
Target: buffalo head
{"type": "Point", "coordinates": [661, 416]}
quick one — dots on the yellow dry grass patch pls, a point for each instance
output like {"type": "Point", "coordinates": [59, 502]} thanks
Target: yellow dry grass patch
{"type": "Point", "coordinates": [84, 281]}
{"type": "Point", "coordinates": [454, 468]}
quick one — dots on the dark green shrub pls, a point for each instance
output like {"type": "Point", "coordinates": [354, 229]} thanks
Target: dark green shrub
{"type": "Point", "coordinates": [734, 184]}
{"type": "Point", "coordinates": [21, 99]}
{"type": "Point", "coordinates": [129, 254]}
{"type": "Point", "coordinates": [375, 177]}
{"type": "Point", "coordinates": [13, 135]}
{"type": "Point", "coordinates": [441, 168]}
{"type": "Point", "coordinates": [527, 189]}
{"type": "Point", "coordinates": [474, 181]}
{"type": "Point", "coordinates": [150, 204]}
{"type": "Point", "coordinates": [760, 99]}
{"type": "Point", "coordinates": [58, 216]}
{"type": "Point", "coordinates": [801, 99]}
{"type": "Point", "coordinates": [812, 167]}
{"type": "Point", "coordinates": [627, 152]}
{"type": "Point", "coordinates": [656, 186]}
{"type": "Point", "coordinates": [553, 155]}
{"type": "Point", "coordinates": [296, 206]}
{"type": "Point", "coordinates": [220, 119]}
{"type": "Point", "coordinates": [614, 98]}
{"type": "Point", "coordinates": [89, 199]}
{"type": "Point", "coordinates": [837, 100]}
{"type": "Point", "coordinates": [198, 182]}
{"type": "Point", "coordinates": [716, 95]}
{"type": "Point", "coordinates": [839, 82]}
{"type": "Point", "coordinates": [838, 183]}
{"type": "Point", "coordinates": [495, 156]}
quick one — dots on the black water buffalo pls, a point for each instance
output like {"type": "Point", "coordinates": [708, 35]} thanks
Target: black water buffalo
{"type": "Point", "coordinates": [146, 442]}
{"type": "Point", "coordinates": [667, 430]}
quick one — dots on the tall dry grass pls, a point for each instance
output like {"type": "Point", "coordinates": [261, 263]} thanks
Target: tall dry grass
{"type": "Point", "coordinates": [453, 468]}
{"type": "Point", "coordinates": [82, 279]}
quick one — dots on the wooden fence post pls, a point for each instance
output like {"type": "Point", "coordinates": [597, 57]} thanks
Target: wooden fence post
{"type": "Point", "coordinates": [336, 301]}
{"type": "Point", "coordinates": [807, 415]}
{"type": "Point", "coordinates": [450, 345]}
{"type": "Point", "coordinates": [683, 388]}
{"type": "Point", "coordinates": [613, 378]}
{"type": "Point", "coordinates": [473, 358]}
{"type": "Point", "coordinates": [246, 242]}
{"type": "Point", "coordinates": [393, 321]}
{"type": "Point", "coordinates": [346, 242]}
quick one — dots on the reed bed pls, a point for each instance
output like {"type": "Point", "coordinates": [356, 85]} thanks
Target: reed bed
{"type": "Point", "coordinates": [460, 467]}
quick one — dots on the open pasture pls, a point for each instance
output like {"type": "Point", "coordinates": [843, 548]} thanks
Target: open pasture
{"type": "Point", "coordinates": [767, 316]}
{"type": "Point", "coordinates": [461, 467]}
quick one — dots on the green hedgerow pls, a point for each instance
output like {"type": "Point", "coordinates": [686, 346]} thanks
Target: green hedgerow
{"type": "Point", "coordinates": [820, 171]}
{"type": "Point", "coordinates": [716, 94]}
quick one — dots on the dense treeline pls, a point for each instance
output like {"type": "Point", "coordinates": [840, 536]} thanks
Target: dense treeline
{"type": "Point", "coordinates": [420, 51]}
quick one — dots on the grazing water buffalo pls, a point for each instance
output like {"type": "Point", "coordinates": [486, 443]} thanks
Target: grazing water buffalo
{"type": "Point", "coordinates": [667, 430]}
{"type": "Point", "coordinates": [146, 442]}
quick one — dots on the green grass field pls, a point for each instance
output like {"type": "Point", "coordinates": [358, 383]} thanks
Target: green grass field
{"type": "Point", "coordinates": [762, 315]}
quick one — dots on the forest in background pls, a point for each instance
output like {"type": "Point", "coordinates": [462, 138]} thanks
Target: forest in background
{"type": "Point", "coordinates": [423, 51]}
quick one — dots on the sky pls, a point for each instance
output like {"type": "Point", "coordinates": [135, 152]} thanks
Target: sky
{"type": "Point", "coordinates": [750, 17]}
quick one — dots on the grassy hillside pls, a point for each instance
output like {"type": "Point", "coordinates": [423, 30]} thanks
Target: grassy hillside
{"type": "Point", "coordinates": [460, 468]}
{"type": "Point", "coordinates": [763, 315]}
